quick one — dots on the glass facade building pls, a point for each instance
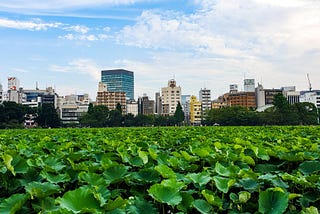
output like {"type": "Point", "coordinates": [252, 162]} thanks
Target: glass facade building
{"type": "Point", "coordinates": [119, 80]}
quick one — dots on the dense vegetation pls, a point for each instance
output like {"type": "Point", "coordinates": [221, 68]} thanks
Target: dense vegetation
{"type": "Point", "coordinates": [282, 113]}
{"type": "Point", "coordinates": [161, 170]}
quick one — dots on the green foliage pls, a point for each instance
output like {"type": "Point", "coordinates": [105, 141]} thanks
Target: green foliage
{"type": "Point", "coordinates": [161, 170]}
{"type": "Point", "coordinates": [48, 116]}
{"type": "Point", "coordinates": [273, 201]}
{"type": "Point", "coordinates": [179, 114]}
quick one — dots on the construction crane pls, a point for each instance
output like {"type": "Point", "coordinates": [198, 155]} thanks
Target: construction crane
{"type": "Point", "coordinates": [310, 88]}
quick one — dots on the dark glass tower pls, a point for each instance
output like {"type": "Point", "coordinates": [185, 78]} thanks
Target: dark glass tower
{"type": "Point", "coordinates": [119, 80]}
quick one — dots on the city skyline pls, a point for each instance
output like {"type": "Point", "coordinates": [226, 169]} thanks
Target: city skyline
{"type": "Point", "coordinates": [202, 44]}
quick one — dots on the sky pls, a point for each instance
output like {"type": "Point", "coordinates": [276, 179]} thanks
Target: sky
{"type": "Point", "coordinates": [200, 43]}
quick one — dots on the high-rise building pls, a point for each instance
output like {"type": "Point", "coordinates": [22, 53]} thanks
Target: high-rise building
{"type": "Point", "coordinates": [195, 111]}
{"type": "Point", "coordinates": [1, 93]}
{"type": "Point", "coordinates": [145, 105]}
{"type": "Point", "coordinates": [205, 99]}
{"type": "Point", "coordinates": [249, 85]}
{"type": "Point", "coordinates": [13, 84]}
{"type": "Point", "coordinates": [158, 103]}
{"type": "Point", "coordinates": [170, 97]}
{"type": "Point", "coordinates": [119, 80]}
{"type": "Point", "coordinates": [185, 103]}
{"type": "Point", "coordinates": [14, 93]}
{"type": "Point", "coordinates": [111, 99]}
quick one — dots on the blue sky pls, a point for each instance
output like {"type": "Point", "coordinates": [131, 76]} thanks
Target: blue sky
{"type": "Point", "coordinates": [201, 43]}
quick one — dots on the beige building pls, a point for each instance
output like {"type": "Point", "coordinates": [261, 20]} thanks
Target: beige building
{"type": "Point", "coordinates": [170, 97]}
{"type": "Point", "coordinates": [110, 99]}
{"type": "Point", "coordinates": [195, 111]}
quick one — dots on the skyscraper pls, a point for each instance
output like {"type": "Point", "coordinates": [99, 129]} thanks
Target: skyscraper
{"type": "Point", "coordinates": [119, 80]}
{"type": "Point", "coordinates": [205, 99]}
{"type": "Point", "coordinates": [170, 97]}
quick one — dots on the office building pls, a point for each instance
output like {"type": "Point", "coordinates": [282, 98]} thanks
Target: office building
{"type": "Point", "coordinates": [145, 105]}
{"type": "Point", "coordinates": [119, 80]}
{"type": "Point", "coordinates": [291, 94]}
{"type": "Point", "coordinates": [170, 96]}
{"type": "Point", "coordinates": [311, 97]}
{"type": "Point", "coordinates": [72, 107]}
{"type": "Point", "coordinates": [242, 98]}
{"type": "Point", "coordinates": [265, 96]}
{"type": "Point", "coordinates": [249, 85]}
{"type": "Point", "coordinates": [132, 107]}
{"type": "Point", "coordinates": [1, 93]}
{"type": "Point", "coordinates": [13, 84]}
{"type": "Point", "coordinates": [205, 99]}
{"type": "Point", "coordinates": [14, 92]}
{"type": "Point", "coordinates": [158, 103]}
{"type": "Point", "coordinates": [185, 103]}
{"type": "Point", "coordinates": [35, 98]}
{"type": "Point", "coordinates": [195, 111]}
{"type": "Point", "coordinates": [233, 88]}
{"type": "Point", "coordinates": [110, 99]}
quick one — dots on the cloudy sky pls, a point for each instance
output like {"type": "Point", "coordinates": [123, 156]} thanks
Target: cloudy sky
{"type": "Point", "coordinates": [200, 43]}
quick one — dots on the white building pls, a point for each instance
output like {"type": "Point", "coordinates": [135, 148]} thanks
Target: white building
{"type": "Point", "coordinates": [311, 97]}
{"type": "Point", "coordinates": [233, 88]}
{"type": "Point", "coordinates": [13, 84]}
{"type": "Point", "coordinates": [132, 107]}
{"type": "Point", "coordinates": [170, 97]}
{"type": "Point", "coordinates": [72, 107]}
{"type": "Point", "coordinates": [205, 99]}
{"type": "Point", "coordinates": [249, 85]}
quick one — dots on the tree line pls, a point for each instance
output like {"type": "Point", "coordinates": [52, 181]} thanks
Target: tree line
{"type": "Point", "coordinates": [13, 115]}
{"type": "Point", "coordinates": [101, 116]}
{"type": "Point", "coordinates": [282, 113]}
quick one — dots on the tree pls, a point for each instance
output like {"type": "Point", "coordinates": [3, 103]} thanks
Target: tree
{"type": "Point", "coordinates": [97, 116]}
{"type": "Point", "coordinates": [307, 113]}
{"type": "Point", "coordinates": [284, 113]}
{"type": "Point", "coordinates": [179, 114]}
{"type": "Point", "coordinates": [115, 118]}
{"type": "Point", "coordinates": [12, 114]}
{"type": "Point", "coordinates": [48, 116]}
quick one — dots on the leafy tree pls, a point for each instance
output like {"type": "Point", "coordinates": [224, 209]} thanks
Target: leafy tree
{"type": "Point", "coordinates": [115, 118]}
{"type": "Point", "coordinates": [307, 113]}
{"type": "Point", "coordinates": [179, 114]}
{"type": "Point", "coordinates": [284, 113]}
{"type": "Point", "coordinates": [48, 116]}
{"type": "Point", "coordinates": [97, 116]}
{"type": "Point", "coordinates": [119, 107]}
{"type": "Point", "coordinates": [12, 114]}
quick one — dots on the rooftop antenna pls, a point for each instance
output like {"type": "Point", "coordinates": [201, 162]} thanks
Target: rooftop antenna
{"type": "Point", "coordinates": [310, 88]}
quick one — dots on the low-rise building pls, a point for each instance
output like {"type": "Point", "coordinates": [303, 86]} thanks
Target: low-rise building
{"type": "Point", "coordinates": [72, 107]}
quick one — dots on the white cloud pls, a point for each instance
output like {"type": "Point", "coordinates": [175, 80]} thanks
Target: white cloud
{"type": "Point", "coordinates": [82, 66]}
{"type": "Point", "coordinates": [60, 4]}
{"type": "Point", "coordinates": [84, 37]}
{"type": "Point", "coordinates": [33, 25]}
{"type": "Point", "coordinates": [78, 29]}
{"type": "Point", "coordinates": [246, 28]}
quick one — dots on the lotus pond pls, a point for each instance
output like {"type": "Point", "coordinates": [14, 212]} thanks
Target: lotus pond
{"type": "Point", "coordinates": [161, 170]}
